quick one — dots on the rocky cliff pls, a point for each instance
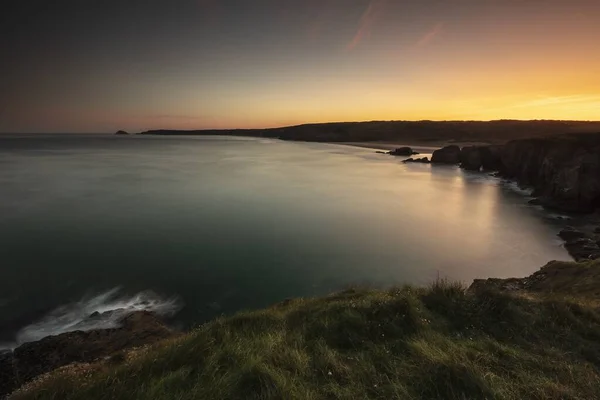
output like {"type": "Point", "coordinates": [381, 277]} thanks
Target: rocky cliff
{"type": "Point", "coordinates": [564, 171]}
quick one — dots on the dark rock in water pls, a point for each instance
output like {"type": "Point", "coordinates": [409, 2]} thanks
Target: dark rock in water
{"type": "Point", "coordinates": [423, 160]}
{"type": "Point", "coordinates": [570, 233]}
{"type": "Point", "coordinates": [579, 244]}
{"type": "Point", "coordinates": [95, 314]}
{"type": "Point", "coordinates": [597, 230]}
{"type": "Point", "coordinates": [8, 379]}
{"type": "Point", "coordinates": [583, 251]}
{"type": "Point", "coordinates": [475, 158]}
{"type": "Point", "coordinates": [563, 170]}
{"type": "Point", "coordinates": [471, 158]}
{"type": "Point", "coordinates": [122, 133]}
{"type": "Point", "coordinates": [446, 155]}
{"type": "Point", "coordinates": [403, 151]}
{"type": "Point", "coordinates": [37, 358]}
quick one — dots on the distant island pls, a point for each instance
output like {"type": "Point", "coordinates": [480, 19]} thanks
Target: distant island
{"type": "Point", "coordinates": [122, 133]}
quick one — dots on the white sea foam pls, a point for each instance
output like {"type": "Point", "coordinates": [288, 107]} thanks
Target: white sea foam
{"type": "Point", "coordinates": [111, 307]}
{"type": "Point", "coordinates": [514, 186]}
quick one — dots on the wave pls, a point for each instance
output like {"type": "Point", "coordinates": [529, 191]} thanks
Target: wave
{"type": "Point", "coordinates": [102, 311]}
{"type": "Point", "coordinates": [515, 187]}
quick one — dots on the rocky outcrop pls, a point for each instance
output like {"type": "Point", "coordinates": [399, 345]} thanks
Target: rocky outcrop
{"type": "Point", "coordinates": [491, 158]}
{"type": "Point", "coordinates": [36, 358]}
{"type": "Point", "coordinates": [555, 277]}
{"type": "Point", "coordinates": [403, 151]}
{"type": "Point", "coordinates": [476, 158]}
{"type": "Point", "coordinates": [581, 244]}
{"type": "Point", "coordinates": [122, 133]}
{"type": "Point", "coordinates": [471, 158]}
{"type": "Point", "coordinates": [423, 160]}
{"type": "Point", "coordinates": [564, 171]}
{"type": "Point", "coordinates": [446, 155]}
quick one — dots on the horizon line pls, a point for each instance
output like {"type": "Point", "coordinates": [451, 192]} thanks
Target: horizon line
{"type": "Point", "coordinates": [304, 124]}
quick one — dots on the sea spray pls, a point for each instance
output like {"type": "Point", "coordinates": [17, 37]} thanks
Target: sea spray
{"type": "Point", "coordinates": [101, 311]}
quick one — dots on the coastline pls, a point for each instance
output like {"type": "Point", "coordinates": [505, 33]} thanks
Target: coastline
{"type": "Point", "coordinates": [418, 145]}
{"type": "Point", "coordinates": [579, 278]}
{"type": "Point", "coordinates": [506, 325]}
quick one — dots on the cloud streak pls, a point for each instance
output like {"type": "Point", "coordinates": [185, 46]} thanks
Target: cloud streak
{"type": "Point", "coordinates": [367, 21]}
{"type": "Point", "coordinates": [430, 35]}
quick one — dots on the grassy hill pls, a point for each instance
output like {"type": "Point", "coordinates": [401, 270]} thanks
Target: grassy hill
{"type": "Point", "coordinates": [494, 132]}
{"type": "Point", "coordinates": [534, 338]}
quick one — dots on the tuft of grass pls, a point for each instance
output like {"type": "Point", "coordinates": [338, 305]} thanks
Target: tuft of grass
{"type": "Point", "coordinates": [439, 342]}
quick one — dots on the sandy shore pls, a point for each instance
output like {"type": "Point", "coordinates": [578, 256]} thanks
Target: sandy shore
{"type": "Point", "coordinates": [423, 147]}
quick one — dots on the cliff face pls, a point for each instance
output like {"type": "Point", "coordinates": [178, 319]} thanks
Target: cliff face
{"type": "Point", "coordinates": [564, 171]}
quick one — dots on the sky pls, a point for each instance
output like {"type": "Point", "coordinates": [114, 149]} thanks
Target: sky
{"type": "Point", "coordinates": [104, 65]}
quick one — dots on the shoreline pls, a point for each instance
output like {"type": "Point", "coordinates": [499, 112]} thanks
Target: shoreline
{"type": "Point", "coordinates": [576, 277]}
{"type": "Point", "coordinates": [429, 146]}
{"type": "Point", "coordinates": [354, 318]}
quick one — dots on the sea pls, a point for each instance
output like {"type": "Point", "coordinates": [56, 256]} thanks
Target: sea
{"type": "Point", "coordinates": [197, 227]}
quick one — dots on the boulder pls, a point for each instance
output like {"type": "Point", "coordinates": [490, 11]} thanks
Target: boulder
{"type": "Point", "coordinates": [569, 234]}
{"type": "Point", "coordinates": [403, 151]}
{"type": "Point", "coordinates": [582, 249]}
{"type": "Point", "coordinates": [423, 160]}
{"type": "Point", "coordinates": [579, 244]}
{"type": "Point", "coordinates": [446, 155]}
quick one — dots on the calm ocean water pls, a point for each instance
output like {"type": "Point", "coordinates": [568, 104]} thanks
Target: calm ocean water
{"type": "Point", "coordinates": [213, 225]}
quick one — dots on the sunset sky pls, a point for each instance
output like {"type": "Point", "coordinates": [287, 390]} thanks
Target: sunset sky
{"type": "Point", "coordinates": [103, 65]}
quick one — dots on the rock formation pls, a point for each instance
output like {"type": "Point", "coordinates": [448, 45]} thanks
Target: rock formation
{"type": "Point", "coordinates": [403, 151]}
{"type": "Point", "coordinates": [423, 160]}
{"type": "Point", "coordinates": [446, 155]}
{"type": "Point", "coordinates": [564, 171]}
{"type": "Point", "coordinates": [581, 244]}
{"type": "Point", "coordinates": [491, 158]}
{"type": "Point", "coordinates": [471, 158]}
{"type": "Point", "coordinates": [8, 379]}
{"type": "Point", "coordinates": [36, 358]}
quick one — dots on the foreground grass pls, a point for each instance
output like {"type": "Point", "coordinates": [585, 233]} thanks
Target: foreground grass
{"type": "Point", "coordinates": [404, 343]}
